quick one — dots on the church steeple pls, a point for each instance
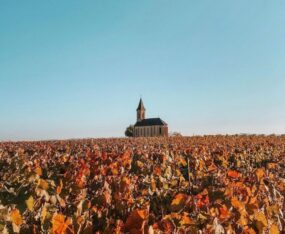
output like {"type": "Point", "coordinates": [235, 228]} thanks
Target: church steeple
{"type": "Point", "coordinates": [140, 111]}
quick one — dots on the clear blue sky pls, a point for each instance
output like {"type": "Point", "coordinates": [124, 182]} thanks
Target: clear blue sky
{"type": "Point", "coordinates": [74, 68]}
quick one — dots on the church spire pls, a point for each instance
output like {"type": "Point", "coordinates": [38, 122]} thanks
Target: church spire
{"type": "Point", "coordinates": [140, 111]}
{"type": "Point", "coordinates": [141, 106]}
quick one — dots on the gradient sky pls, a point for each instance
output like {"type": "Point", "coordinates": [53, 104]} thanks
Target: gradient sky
{"type": "Point", "coordinates": [71, 69]}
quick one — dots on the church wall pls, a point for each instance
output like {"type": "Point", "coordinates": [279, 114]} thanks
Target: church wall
{"type": "Point", "coordinates": [150, 131]}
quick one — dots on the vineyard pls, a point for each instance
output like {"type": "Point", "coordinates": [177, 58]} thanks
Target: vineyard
{"type": "Point", "coordinates": [211, 184]}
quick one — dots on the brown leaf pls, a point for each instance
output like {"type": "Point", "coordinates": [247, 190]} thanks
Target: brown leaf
{"type": "Point", "coordinates": [136, 220]}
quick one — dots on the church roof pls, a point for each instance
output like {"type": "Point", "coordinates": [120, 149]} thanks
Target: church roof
{"type": "Point", "coordinates": [150, 122]}
{"type": "Point", "coordinates": [141, 106]}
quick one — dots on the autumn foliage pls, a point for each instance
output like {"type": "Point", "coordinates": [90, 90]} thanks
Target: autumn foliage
{"type": "Point", "coordinates": [211, 184]}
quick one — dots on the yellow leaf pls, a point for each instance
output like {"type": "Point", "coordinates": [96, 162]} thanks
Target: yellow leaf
{"type": "Point", "coordinates": [260, 173]}
{"type": "Point", "coordinates": [261, 221]}
{"type": "Point", "coordinates": [16, 217]}
{"type": "Point", "coordinates": [259, 216]}
{"type": "Point", "coordinates": [140, 164]}
{"type": "Point", "coordinates": [43, 184]}
{"type": "Point", "coordinates": [44, 213]}
{"type": "Point", "coordinates": [30, 203]}
{"type": "Point", "coordinates": [115, 171]}
{"type": "Point", "coordinates": [274, 229]}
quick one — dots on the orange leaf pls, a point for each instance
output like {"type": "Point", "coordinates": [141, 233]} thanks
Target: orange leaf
{"type": "Point", "coordinates": [224, 212]}
{"type": "Point", "coordinates": [43, 184]}
{"type": "Point", "coordinates": [179, 201]}
{"type": "Point", "coordinates": [126, 162]}
{"type": "Point", "coordinates": [271, 165]}
{"type": "Point", "coordinates": [248, 230]}
{"type": "Point", "coordinates": [233, 174]}
{"type": "Point", "coordinates": [260, 173]}
{"type": "Point", "coordinates": [107, 197]}
{"type": "Point", "coordinates": [235, 203]}
{"type": "Point", "coordinates": [243, 221]}
{"type": "Point", "coordinates": [59, 187]}
{"type": "Point", "coordinates": [202, 199]}
{"type": "Point", "coordinates": [104, 156]}
{"type": "Point", "coordinates": [157, 170]}
{"type": "Point", "coordinates": [39, 171]}
{"type": "Point", "coordinates": [182, 161]}
{"type": "Point", "coordinates": [60, 224]}
{"type": "Point", "coordinates": [261, 221]}
{"type": "Point", "coordinates": [16, 217]}
{"type": "Point", "coordinates": [186, 220]}
{"type": "Point", "coordinates": [125, 181]}
{"type": "Point", "coordinates": [212, 168]}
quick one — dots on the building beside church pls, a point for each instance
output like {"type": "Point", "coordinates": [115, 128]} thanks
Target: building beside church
{"type": "Point", "coordinates": [152, 127]}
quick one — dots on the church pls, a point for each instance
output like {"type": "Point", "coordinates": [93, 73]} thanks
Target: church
{"type": "Point", "coordinates": [152, 127]}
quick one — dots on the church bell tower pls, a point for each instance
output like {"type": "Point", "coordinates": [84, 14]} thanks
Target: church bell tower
{"type": "Point", "coordinates": [140, 111]}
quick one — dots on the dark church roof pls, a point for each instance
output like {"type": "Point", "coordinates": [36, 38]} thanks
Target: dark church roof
{"type": "Point", "coordinates": [141, 106]}
{"type": "Point", "coordinates": [150, 122]}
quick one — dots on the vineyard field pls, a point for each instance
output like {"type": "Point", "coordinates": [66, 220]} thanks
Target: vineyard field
{"type": "Point", "coordinates": [207, 184]}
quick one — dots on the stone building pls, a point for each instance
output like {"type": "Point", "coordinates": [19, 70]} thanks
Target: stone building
{"type": "Point", "coordinates": [151, 127]}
